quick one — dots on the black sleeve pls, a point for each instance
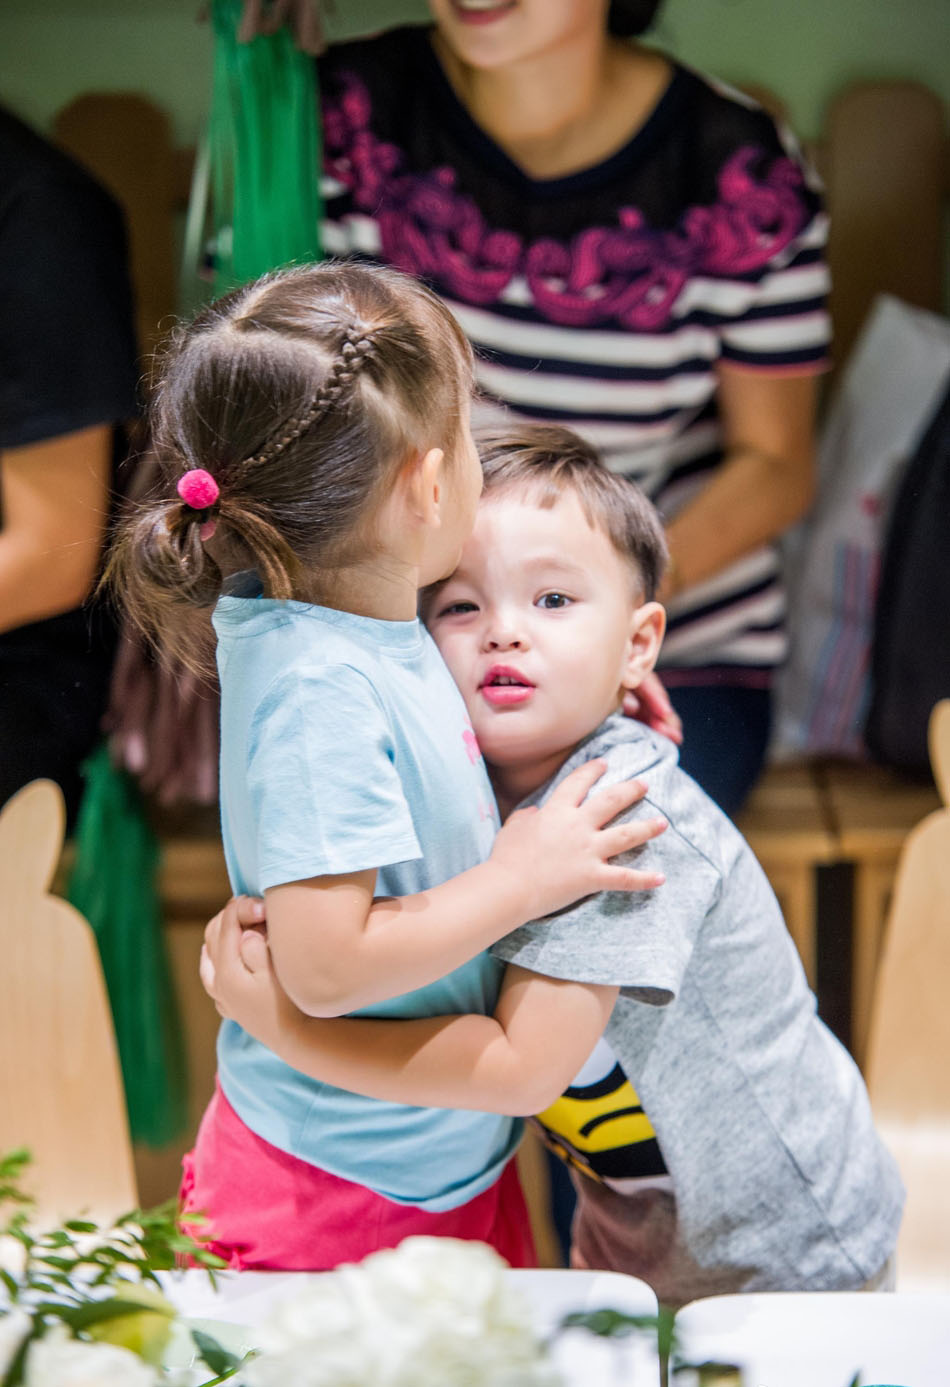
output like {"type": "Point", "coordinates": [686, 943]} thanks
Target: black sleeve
{"type": "Point", "coordinates": [67, 342]}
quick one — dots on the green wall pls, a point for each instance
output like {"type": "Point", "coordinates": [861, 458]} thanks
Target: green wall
{"type": "Point", "coordinates": [804, 49]}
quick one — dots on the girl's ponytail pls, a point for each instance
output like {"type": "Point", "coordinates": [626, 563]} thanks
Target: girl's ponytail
{"type": "Point", "coordinates": [161, 571]}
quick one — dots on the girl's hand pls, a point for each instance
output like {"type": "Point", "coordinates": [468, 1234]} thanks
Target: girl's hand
{"type": "Point", "coordinates": [560, 852]}
{"type": "Point", "coordinates": [650, 703]}
{"type": "Point", "coordinates": [237, 973]}
{"type": "Point", "coordinates": [245, 912]}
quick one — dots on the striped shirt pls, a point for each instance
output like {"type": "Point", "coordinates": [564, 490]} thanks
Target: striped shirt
{"type": "Point", "coordinates": [602, 300]}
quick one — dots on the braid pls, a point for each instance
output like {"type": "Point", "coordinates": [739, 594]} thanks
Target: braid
{"type": "Point", "coordinates": [355, 350]}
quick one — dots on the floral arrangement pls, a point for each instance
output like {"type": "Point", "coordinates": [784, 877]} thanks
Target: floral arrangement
{"type": "Point", "coordinates": [82, 1306]}
{"type": "Point", "coordinates": [431, 1312]}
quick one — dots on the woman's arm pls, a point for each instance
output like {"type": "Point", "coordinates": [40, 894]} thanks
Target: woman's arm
{"type": "Point", "coordinates": [764, 484]}
{"type": "Point", "coordinates": [335, 948]}
{"type": "Point", "coordinates": [516, 1062]}
{"type": "Point", "coordinates": [54, 504]}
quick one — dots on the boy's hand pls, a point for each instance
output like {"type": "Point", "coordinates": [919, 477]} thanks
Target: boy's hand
{"type": "Point", "coordinates": [237, 973]}
{"type": "Point", "coordinates": [560, 852]}
{"type": "Point", "coordinates": [650, 703]}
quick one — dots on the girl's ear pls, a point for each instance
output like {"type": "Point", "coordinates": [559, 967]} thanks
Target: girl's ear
{"type": "Point", "coordinates": [646, 636]}
{"type": "Point", "coordinates": [424, 478]}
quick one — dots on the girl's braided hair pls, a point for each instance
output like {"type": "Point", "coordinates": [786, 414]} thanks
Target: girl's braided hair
{"type": "Point", "coordinates": [301, 395]}
{"type": "Point", "coordinates": [354, 350]}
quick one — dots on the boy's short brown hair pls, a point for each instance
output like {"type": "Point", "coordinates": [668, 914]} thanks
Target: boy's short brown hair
{"type": "Point", "coordinates": [550, 460]}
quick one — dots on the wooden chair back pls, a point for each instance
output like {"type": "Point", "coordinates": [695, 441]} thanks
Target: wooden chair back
{"type": "Point", "coordinates": [61, 1093]}
{"type": "Point", "coordinates": [883, 157]}
{"type": "Point", "coordinates": [125, 140]}
{"type": "Point", "coordinates": [908, 1065]}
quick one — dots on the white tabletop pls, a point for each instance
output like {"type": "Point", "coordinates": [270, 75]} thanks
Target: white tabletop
{"type": "Point", "coordinates": [246, 1298]}
{"type": "Point", "coordinates": [822, 1340]}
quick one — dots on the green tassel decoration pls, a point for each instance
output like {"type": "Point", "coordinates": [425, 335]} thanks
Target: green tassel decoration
{"type": "Point", "coordinates": [264, 151]}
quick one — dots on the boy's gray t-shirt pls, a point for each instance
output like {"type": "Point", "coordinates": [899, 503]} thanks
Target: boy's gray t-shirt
{"type": "Point", "coordinates": [761, 1115]}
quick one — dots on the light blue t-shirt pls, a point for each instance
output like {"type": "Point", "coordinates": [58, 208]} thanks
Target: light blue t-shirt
{"type": "Point", "coordinates": [345, 745]}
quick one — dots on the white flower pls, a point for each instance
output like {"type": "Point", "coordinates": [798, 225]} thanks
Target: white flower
{"type": "Point", "coordinates": [14, 1327]}
{"type": "Point", "coordinates": [60, 1361]}
{"type": "Point", "coordinates": [434, 1312]}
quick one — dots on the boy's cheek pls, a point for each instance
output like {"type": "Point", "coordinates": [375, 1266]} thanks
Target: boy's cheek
{"type": "Point", "coordinates": [453, 653]}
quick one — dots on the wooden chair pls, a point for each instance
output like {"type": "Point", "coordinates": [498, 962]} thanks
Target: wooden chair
{"type": "Point", "coordinates": [909, 1046]}
{"type": "Point", "coordinates": [61, 1092]}
{"type": "Point", "coordinates": [872, 810]}
{"type": "Point", "coordinates": [785, 824]}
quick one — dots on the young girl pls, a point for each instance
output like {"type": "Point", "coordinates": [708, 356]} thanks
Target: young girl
{"type": "Point", "coordinates": [314, 430]}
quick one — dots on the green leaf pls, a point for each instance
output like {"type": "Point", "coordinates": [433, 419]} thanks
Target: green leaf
{"type": "Point", "coordinates": [665, 1333]}
{"type": "Point", "coordinates": [95, 1311]}
{"type": "Point", "coordinates": [77, 1225]}
{"type": "Point", "coordinates": [228, 1373]}
{"type": "Point", "coordinates": [609, 1324]}
{"type": "Point", "coordinates": [218, 1359]}
{"type": "Point", "coordinates": [14, 1373]}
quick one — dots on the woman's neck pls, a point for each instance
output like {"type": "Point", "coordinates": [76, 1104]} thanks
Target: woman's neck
{"type": "Point", "coordinates": [567, 108]}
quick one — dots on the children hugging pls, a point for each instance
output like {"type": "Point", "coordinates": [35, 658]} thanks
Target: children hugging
{"type": "Point", "coordinates": [314, 432]}
{"type": "Point", "coordinates": [568, 958]}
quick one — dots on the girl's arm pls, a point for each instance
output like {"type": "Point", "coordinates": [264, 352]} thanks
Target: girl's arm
{"type": "Point", "coordinates": [516, 1062]}
{"type": "Point", "coordinates": [335, 948]}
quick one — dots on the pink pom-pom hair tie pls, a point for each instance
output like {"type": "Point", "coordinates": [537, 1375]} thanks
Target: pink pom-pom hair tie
{"type": "Point", "coordinates": [198, 489]}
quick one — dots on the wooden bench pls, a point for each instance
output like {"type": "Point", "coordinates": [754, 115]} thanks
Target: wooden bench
{"type": "Point", "coordinates": [785, 824]}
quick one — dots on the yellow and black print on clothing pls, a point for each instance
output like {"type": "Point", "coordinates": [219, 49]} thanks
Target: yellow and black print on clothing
{"type": "Point", "coordinates": [599, 1126]}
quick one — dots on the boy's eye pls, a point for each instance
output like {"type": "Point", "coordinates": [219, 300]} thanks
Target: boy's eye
{"type": "Point", "coordinates": [551, 601]}
{"type": "Point", "coordinates": [457, 609]}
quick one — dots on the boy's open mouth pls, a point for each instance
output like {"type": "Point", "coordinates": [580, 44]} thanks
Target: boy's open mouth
{"type": "Point", "coordinates": [503, 686]}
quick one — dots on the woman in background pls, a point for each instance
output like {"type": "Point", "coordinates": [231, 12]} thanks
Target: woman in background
{"type": "Point", "coordinates": [634, 252]}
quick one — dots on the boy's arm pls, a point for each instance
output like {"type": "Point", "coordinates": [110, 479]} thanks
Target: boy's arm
{"type": "Point", "coordinates": [370, 949]}
{"type": "Point", "coordinates": [516, 1062]}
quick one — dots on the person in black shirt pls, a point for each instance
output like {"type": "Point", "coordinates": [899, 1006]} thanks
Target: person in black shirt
{"type": "Point", "coordinates": [67, 383]}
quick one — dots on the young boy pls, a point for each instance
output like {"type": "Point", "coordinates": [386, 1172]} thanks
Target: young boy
{"type": "Point", "coordinates": [720, 1137]}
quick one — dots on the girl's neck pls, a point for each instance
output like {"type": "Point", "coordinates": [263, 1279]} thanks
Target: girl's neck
{"type": "Point", "coordinates": [565, 109]}
{"type": "Point", "coordinates": [382, 589]}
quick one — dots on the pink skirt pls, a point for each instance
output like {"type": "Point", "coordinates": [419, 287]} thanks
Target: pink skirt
{"type": "Point", "coordinates": [268, 1210]}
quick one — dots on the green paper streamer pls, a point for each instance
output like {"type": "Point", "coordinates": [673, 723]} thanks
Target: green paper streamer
{"type": "Point", "coordinates": [113, 884]}
{"type": "Point", "coordinates": [264, 151]}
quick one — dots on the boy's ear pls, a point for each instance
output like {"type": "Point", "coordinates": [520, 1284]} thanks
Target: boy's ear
{"type": "Point", "coordinates": [424, 477]}
{"type": "Point", "coordinates": [646, 636]}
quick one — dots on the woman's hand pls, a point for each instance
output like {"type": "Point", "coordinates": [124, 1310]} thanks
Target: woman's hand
{"type": "Point", "coordinates": [561, 851]}
{"type": "Point", "coordinates": [650, 703]}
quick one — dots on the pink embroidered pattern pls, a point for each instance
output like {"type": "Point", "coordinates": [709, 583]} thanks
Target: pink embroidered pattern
{"type": "Point", "coordinates": [471, 746]}
{"type": "Point", "coordinates": [630, 273]}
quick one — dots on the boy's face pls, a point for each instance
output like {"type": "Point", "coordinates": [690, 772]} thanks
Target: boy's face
{"type": "Point", "coordinates": [541, 627]}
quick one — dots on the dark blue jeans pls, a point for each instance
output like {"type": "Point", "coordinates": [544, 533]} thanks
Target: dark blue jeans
{"type": "Point", "coordinates": [725, 737]}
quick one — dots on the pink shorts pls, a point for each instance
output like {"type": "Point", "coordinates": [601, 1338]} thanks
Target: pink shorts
{"type": "Point", "coordinates": [266, 1209]}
